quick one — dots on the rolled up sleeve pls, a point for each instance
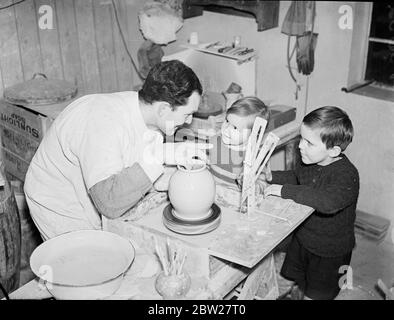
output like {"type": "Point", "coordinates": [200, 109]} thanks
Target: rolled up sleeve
{"type": "Point", "coordinates": [114, 196]}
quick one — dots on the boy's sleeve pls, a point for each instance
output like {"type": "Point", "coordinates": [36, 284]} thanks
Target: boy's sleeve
{"type": "Point", "coordinates": [284, 177]}
{"type": "Point", "coordinates": [341, 192]}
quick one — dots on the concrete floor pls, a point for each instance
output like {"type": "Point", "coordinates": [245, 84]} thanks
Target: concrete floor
{"type": "Point", "coordinates": [371, 261]}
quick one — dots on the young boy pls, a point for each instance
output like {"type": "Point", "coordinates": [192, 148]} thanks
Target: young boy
{"type": "Point", "coordinates": [321, 248]}
{"type": "Point", "coordinates": [229, 147]}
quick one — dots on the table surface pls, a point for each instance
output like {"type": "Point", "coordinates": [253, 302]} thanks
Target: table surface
{"type": "Point", "coordinates": [239, 239]}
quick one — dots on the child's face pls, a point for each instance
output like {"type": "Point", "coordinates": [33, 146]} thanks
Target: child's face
{"type": "Point", "coordinates": [236, 129]}
{"type": "Point", "coordinates": [312, 148]}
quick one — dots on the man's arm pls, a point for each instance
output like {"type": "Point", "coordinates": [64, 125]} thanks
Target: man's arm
{"type": "Point", "coordinates": [116, 195]}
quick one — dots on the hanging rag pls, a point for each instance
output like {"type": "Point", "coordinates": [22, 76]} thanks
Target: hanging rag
{"type": "Point", "coordinates": [299, 22]}
{"type": "Point", "coordinates": [148, 55]}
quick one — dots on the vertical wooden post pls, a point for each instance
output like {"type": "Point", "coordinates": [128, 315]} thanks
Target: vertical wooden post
{"type": "Point", "coordinates": [10, 237]}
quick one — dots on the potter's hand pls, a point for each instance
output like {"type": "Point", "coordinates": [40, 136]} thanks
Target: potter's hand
{"type": "Point", "coordinates": [184, 153]}
{"type": "Point", "coordinates": [162, 183]}
{"type": "Point", "coordinates": [274, 190]}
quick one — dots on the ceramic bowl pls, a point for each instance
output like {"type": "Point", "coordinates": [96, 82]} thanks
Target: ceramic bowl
{"type": "Point", "coordinates": [85, 264]}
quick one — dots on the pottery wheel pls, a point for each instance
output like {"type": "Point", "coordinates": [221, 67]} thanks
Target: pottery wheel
{"type": "Point", "coordinates": [202, 217]}
{"type": "Point", "coordinates": [191, 227]}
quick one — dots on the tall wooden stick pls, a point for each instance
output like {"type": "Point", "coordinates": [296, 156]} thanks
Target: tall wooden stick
{"type": "Point", "coordinates": [255, 160]}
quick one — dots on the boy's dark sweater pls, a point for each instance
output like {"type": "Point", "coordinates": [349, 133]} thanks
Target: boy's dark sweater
{"type": "Point", "coordinates": [332, 191]}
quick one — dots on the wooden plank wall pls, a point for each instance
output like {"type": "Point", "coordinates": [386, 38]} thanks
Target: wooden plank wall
{"type": "Point", "coordinates": [84, 46]}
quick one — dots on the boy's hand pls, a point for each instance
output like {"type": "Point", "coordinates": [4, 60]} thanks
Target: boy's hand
{"type": "Point", "coordinates": [266, 174]}
{"type": "Point", "coordinates": [274, 190]}
{"type": "Point", "coordinates": [260, 184]}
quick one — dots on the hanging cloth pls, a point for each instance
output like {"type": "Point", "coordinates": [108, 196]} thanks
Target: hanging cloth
{"type": "Point", "coordinates": [294, 23]}
{"type": "Point", "coordinates": [299, 22]}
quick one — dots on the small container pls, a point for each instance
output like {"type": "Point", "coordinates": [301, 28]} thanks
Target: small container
{"type": "Point", "coordinates": [193, 38]}
{"type": "Point", "coordinates": [237, 41]}
{"type": "Point", "coordinates": [173, 287]}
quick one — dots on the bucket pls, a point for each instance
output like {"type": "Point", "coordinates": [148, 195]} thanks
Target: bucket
{"type": "Point", "coordinates": [10, 238]}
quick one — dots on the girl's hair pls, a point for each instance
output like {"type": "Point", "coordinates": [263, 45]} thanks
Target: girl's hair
{"type": "Point", "coordinates": [249, 106]}
{"type": "Point", "coordinates": [335, 126]}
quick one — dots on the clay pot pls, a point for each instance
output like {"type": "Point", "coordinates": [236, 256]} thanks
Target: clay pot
{"type": "Point", "coordinates": [172, 287]}
{"type": "Point", "coordinates": [192, 192]}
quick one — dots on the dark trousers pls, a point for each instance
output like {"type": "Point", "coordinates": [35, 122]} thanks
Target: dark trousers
{"type": "Point", "coordinates": [318, 277]}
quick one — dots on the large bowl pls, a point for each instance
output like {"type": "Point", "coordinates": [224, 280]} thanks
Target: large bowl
{"type": "Point", "coordinates": [86, 264]}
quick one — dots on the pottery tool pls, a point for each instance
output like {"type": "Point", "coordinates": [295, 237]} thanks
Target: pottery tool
{"type": "Point", "coordinates": [212, 44]}
{"type": "Point", "coordinates": [272, 215]}
{"type": "Point", "coordinates": [173, 259]}
{"type": "Point", "coordinates": [275, 216]}
{"type": "Point", "coordinates": [248, 192]}
{"type": "Point", "coordinates": [255, 160]}
{"type": "Point", "coordinates": [265, 153]}
{"type": "Point", "coordinates": [388, 292]}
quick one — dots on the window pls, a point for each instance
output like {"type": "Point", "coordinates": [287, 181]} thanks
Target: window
{"type": "Point", "coordinates": [380, 58]}
{"type": "Point", "coordinates": [371, 68]}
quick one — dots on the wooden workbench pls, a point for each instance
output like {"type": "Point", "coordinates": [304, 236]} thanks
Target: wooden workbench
{"type": "Point", "coordinates": [225, 256]}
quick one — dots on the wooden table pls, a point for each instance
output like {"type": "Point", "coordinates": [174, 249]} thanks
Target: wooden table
{"type": "Point", "coordinates": [225, 256]}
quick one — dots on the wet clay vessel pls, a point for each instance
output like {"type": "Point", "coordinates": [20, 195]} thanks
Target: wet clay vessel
{"type": "Point", "coordinates": [192, 192]}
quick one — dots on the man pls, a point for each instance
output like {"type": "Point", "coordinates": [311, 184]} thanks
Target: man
{"type": "Point", "coordinates": [104, 151]}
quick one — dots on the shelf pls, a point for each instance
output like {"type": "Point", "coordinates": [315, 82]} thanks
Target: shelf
{"type": "Point", "coordinates": [213, 49]}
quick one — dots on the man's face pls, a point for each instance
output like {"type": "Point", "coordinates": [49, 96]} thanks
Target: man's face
{"type": "Point", "coordinates": [312, 148]}
{"type": "Point", "coordinates": [173, 119]}
{"type": "Point", "coordinates": [236, 129]}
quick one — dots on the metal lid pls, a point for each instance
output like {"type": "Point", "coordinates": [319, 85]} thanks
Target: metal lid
{"type": "Point", "coordinates": [40, 91]}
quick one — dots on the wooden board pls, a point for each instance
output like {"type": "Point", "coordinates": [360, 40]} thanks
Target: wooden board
{"type": "Point", "coordinates": [237, 239]}
{"type": "Point", "coordinates": [124, 67]}
{"type": "Point", "coordinates": [87, 44]}
{"type": "Point", "coordinates": [10, 63]}
{"type": "Point", "coordinates": [105, 45]}
{"type": "Point", "coordinates": [247, 241]}
{"type": "Point", "coordinates": [214, 50]}
{"type": "Point", "coordinates": [49, 44]}
{"type": "Point", "coordinates": [68, 37]}
{"type": "Point", "coordinates": [27, 25]}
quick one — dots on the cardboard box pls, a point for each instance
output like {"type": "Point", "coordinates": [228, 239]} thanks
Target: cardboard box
{"type": "Point", "coordinates": [21, 131]}
{"type": "Point", "coordinates": [280, 115]}
{"type": "Point", "coordinates": [18, 143]}
{"type": "Point", "coordinates": [14, 165]}
{"type": "Point", "coordinates": [30, 124]}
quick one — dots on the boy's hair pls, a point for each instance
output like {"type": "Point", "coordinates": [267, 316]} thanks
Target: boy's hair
{"type": "Point", "coordinates": [249, 106]}
{"type": "Point", "coordinates": [170, 81]}
{"type": "Point", "coordinates": [335, 125]}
